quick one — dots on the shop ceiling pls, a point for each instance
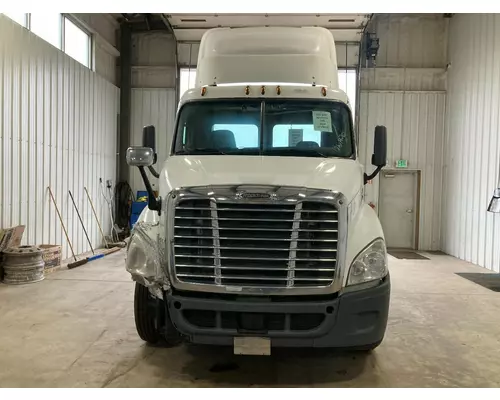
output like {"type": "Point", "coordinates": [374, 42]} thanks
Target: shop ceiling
{"type": "Point", "coordinates": [191, 27]}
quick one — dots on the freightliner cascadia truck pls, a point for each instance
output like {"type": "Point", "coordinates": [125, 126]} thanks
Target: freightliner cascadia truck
{"type": "Point", "coordinates": [258, 236]}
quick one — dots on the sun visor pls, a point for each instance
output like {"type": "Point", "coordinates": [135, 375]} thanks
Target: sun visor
{"type": "Point", "coordinates": [267, 55]}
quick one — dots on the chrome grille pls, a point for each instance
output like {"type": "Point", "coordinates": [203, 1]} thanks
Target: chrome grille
{"type": "Point", "coordinates": [261, 244]}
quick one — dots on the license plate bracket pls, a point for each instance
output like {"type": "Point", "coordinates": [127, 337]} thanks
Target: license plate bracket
{"type": "Point", "coordinates": [252, 345]}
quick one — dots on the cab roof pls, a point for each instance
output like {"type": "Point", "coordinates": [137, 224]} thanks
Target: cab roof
{"type": "Point", "coordinates": [295, 55]}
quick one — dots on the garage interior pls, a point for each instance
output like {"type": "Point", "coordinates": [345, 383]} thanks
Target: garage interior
{"type": "Point", "coordinates": [76, 91]}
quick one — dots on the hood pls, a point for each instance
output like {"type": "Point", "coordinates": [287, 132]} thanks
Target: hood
{"type": "Point", "coordinates": [342, 175]}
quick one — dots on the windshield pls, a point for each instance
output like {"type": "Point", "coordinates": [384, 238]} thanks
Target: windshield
{"type": "Point", "coordinates": [308, 128]}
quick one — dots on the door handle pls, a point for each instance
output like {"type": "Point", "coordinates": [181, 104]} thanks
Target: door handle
{"type": "Point", "coordinates": [409, 211]}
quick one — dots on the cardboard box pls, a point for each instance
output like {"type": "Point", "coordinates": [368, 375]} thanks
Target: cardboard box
{"type": "Point", "coordinates": [11, 237]}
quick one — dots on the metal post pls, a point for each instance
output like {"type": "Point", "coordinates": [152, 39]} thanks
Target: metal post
{"type": "Point", "coordinates": [125, 99]}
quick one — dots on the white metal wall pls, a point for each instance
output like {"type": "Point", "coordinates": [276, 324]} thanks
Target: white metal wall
{"type": "Point", "coordinates": [153, 60]}
{"type": "Point", "coordinates": [415, 128]}
{"type": "Point", "coordinates": [58, 127]}
{"type": "Point", "coordinates": [413, 79]}
{"type": "Point", "coordinates": [473, 140]}
{"type": "Point", "coordinates": [152, 107]}
{"type": "Point", "coordinates": [412, 41]}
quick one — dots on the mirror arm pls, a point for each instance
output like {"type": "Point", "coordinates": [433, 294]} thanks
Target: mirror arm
{"type": "Point", "coordinates": [153, 203]}
{"type": "Point", "coordinates": [373, 174]}
{"type": "Point", "coordinates": [153, 171]}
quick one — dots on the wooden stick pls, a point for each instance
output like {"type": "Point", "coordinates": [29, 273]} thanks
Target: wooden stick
{"type": "Point", "coordinates": [62, 223]}
{"type": "Point", "coordinates": [97, 219]}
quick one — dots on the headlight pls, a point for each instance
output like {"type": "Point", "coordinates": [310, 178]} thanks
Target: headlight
{"type": "Point", "coordinates": [369, 265]}
{"type": "Point", "coordinates": [138, 260]}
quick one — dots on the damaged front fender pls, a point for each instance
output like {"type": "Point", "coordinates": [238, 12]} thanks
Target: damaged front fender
{"type": "Point", "coordinates": [146, 260]}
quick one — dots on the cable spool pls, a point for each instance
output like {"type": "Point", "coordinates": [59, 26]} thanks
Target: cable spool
{"type": "Point", "coordinates": [23, 264]}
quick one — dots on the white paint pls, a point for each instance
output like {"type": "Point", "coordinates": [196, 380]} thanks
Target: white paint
{"type": "Point", "coordinates": [341, 175]}
{"type": "Point", "coordinates": [152, 107]}
{"type": "Point", "coordinates": [472, 140]}
{"type": "Point", "coordinates": [58, 127]}
{"type": "Point", "coordinates": [338, 174]}
{"type": "Point", "coordinates": [259, 54]}
{"type": "Point", "coordinates": [415, 130]}
{"type": "Point", "coordinates": [287, 92]}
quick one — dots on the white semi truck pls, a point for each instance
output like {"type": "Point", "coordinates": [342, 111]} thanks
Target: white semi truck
{"type": "Point", "coordinates": [259, 236]}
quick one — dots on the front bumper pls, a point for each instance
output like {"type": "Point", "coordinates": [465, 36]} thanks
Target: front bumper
{"type": "Point", "coordinates": [350, 320]}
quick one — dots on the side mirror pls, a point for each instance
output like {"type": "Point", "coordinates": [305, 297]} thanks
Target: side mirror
{"type": "Point", "coordinates": [140, 156]}
{"type": "Point", "coordinates": [145, 156]}
{"type": "Point", "coordinates": [379, 157]}
{"type": "Point", "coordinates": [149, 139]}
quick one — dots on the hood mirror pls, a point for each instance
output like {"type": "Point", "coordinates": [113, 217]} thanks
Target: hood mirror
{"type": "Point", "coordinates": [145, 156]}
{"type": "Point", "coordinates": [140, 156]}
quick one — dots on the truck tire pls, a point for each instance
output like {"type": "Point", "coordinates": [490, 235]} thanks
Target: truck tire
{"type": "Point", "coordinates": [153, 325]}
{"type": "Point", "coordinates": [145, 315]}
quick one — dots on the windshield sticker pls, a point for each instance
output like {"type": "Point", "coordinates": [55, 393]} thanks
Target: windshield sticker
{"type": "Point", "coordinates": [341, 139]}
{"type": "Point", "coordinates": [295, 136]}
{"type": "Point", "coordinates": [322, 121]}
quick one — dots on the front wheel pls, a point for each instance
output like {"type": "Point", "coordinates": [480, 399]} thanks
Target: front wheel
{"type": "Point", "coordinates": [152, 322]}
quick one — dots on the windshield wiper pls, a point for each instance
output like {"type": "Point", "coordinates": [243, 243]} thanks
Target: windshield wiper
{"type": "Point", "coordinates": [201, 150]}
{"type": "Point", "coordinates": [295, 151]}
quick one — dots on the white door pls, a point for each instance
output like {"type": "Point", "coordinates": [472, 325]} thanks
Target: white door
{"type": "Point", "coordinates": [397, 208]}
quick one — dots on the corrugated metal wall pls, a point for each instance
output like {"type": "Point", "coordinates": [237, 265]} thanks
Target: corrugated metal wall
{"type": "Point", "coordinates": [473, 140]}
{"type": "Point", "coordinates": [152, 107]}
{"type": "Point", "coordinates": [413, 79]}
{"type": "Point", "coordinates": [58, 127]}
{"type": "Point", "coordinates": [415, 127]}
{"type": "Point", "coordinates": [411, 41]}
{"type": "Point", "coordinates": [153, 60]}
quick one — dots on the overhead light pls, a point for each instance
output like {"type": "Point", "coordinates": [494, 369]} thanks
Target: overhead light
{"type": "Point", "coordinates": [193, 20]}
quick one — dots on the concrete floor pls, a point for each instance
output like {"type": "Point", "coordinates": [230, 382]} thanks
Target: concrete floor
{"type": "Point", "coordinates": [76, 329]}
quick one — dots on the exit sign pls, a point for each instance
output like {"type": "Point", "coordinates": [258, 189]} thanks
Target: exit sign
{"type": "Point", "coordinates": [402, 164]}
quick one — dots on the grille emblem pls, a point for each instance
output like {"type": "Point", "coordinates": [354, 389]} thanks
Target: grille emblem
{"type": "Point", "coordinates": [255, 195]}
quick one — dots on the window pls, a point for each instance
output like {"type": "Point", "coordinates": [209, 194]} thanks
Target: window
{"type": "Point", "coordinates": [60, 31]}
{"type": "Point", "coordinates": [20, 18]}
{"type": "Point", "coordinates": [292, 134]}
{"type": "Point", "coordinates": [48, 27]}
{"type": "Point", "coordinates": [214, 127]}
{"type": "Point", "coordinates": [187, 80]}
{"type": "Point", "coordinates": [76, 43]}
{"type": "Point", "coordinates": [308, 126]}
{"type": "Point", "coordinates": [245, 135]}
{"type": "Point", "coordinates": [288, 127]}
{"type": "Point", "coordinates": [347, 83]}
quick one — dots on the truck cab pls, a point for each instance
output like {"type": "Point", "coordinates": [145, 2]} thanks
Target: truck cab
{"type": "Point", "coordinates": [259, 236]}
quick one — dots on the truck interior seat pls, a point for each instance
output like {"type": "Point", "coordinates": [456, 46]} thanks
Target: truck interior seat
{"type": "Point", "coordinates": [307, 145]}
{"type": "Point", "coordinates": [223, 139]}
